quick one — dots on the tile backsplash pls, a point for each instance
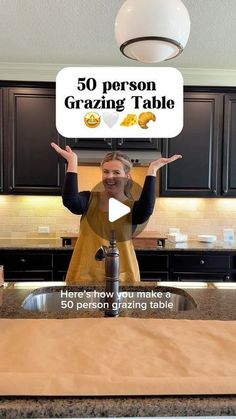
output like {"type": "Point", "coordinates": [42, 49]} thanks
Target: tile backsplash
{"type": "Point", "coordinates": [22, 215]}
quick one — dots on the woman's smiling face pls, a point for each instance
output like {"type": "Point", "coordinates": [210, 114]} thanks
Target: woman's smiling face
{"type": "Point", "coordinates": [114, 177]}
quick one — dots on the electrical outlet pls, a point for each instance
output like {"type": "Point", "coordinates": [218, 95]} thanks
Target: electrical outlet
{"type": "Point", "coordinates": [43, 229]}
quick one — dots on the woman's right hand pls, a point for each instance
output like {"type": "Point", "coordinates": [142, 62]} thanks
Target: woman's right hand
{"type": "Point", "coordinates": [69, 155]}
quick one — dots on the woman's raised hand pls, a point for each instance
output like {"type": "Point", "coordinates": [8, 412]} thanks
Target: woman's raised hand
{"type": "Point", "coordinates": [69, 155]}
{"type": "Point", "coordinates": [157, 164]}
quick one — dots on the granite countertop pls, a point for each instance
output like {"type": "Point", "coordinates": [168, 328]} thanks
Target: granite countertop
{"type": "Point", "coordinates": [211, 303]}
{"type": "Point", "coordinates": [140, 243]}
{"type": "Point", "coordinates": [32, 244]}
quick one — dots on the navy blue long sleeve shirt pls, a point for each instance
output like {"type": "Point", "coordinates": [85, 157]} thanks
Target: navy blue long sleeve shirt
{"type": "Point", "coordinates": [77, 202]}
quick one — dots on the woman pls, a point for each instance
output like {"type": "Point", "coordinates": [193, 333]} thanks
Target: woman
{"type": "Point", "coordinates": [94, 225]}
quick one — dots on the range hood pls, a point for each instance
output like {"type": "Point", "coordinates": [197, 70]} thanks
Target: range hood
{"type": "Point", "coordinates": [138, 157]}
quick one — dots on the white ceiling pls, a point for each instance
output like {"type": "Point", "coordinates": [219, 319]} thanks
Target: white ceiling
{"type": "Point", "coordinates": [81, 32]}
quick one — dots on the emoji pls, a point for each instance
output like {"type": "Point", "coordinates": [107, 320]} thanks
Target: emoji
{"type": "Point", "coordinates": [92, 119]}
{"type": "Point", "coordinates": [130, 119]}
{"type": "Point", "coordinates": [110, 118]}
{"type": "Point", "coordinates": [144, 118]}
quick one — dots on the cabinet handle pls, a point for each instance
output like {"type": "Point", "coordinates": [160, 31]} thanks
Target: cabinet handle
{"type": "Point", "coordinates": [225, 190]}
{"type": "Point", "coordinates": [214, 191]}
{"type": "Point", "coordinates": [109, 142]}
{"type": "Point", "coordinates": [22, 260]}
{"type": "Point", "coordinates": [227, 277]}
{"type": "Point", "coordinates": [202, 262]}
{"type": "Point", "coordinates": [10, 188]}
{"type": "Point", "coordinates": [120, 142]}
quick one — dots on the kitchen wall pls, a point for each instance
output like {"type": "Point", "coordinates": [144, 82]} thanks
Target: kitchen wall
{"type": "Point", "coordinates": [21, 215]}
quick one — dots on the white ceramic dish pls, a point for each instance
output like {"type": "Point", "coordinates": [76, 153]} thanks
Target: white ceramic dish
{"type": "Point", "coordinates": [177, 237]}
{"type": "Point", "coordinates": [206, 238]}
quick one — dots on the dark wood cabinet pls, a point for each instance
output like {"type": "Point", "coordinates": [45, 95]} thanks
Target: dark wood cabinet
{"type": "Point", "coordinates": [32, 166]}
{"type": "Point", "coordinates": [60, 265]}
{"type": "Point", "coordinates": [136, 144]}
{"type": "Point", "coordinates": [207, 143]}
{"type": "Point", "coordinates": [28, 165]}
{"type": "Point", "coordinates": [35, 265]}
{"type": "Point", "coordinates": [153, 266]}
{"type": "Point", "coordinates": [114, 143]}
{"type": "Point", "coordinates": [229, 146]}
{"type": "Point", "coordinates": [27, 265]}
{"type": "Point", "coordinates": [90, 143]}
{"type": "Point", "coordinates": [200, 266]}
{"type": "Point", "coordinates": [198, 173]}
{"type": "Point", "coordinates": [171, 265]}
{"type": "Point", "coordinates": [1, 140]}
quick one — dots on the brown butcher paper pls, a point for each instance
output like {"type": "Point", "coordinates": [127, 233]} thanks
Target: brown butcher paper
{"type": "Point", "coordinates": [117, 356]}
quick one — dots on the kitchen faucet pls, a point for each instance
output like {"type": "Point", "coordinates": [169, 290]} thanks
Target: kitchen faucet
{"type": "Point", "coordinates": [112, 269]}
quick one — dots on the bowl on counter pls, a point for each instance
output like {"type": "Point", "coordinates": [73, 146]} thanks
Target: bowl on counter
{"type": "Point", "coordinates": [207, 238]}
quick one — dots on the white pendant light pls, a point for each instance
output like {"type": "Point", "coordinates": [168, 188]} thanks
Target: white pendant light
{"type": "Point", "coordinates": [151, 31]}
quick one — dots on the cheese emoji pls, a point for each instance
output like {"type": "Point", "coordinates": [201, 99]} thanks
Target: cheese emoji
{"type": "Point", "coordinates": [130, 119]}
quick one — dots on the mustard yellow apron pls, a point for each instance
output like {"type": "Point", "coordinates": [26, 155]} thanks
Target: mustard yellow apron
{"type": "Point", "coordinates": [83, 267]}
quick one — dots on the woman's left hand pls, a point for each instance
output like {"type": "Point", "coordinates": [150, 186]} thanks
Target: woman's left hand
{"type": "Point", "coordinates": [157, 164]}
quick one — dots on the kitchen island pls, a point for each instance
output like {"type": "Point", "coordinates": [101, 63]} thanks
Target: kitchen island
{"type": "Point", "coordinates": [212, 303]}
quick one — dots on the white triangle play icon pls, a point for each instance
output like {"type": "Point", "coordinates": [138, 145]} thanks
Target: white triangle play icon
{"type": "Point", "coordinates": [116, 209]}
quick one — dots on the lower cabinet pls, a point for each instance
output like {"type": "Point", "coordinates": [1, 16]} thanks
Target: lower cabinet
{"type": "Point", "coordinates": [60, 265]}
{"type": "Point", "coordinates": [154, 265]}
{"type": "Point", "coordinates": [200, 266]}
{"type": "Point", "coordinates": [27, 265]}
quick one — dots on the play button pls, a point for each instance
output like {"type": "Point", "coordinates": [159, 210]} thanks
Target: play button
{"type": "Point", "coordinates": [113, 215]}
{"type": "Point", "coordinates": [116, 210]}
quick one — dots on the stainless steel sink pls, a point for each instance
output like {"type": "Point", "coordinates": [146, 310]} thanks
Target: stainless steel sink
{"type": "Point", "coordinates": [82, 300]}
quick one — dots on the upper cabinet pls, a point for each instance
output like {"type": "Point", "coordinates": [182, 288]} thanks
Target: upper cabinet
{"type": "Point", "coordinates": [113, 143]}
{"type": "Point", "coordinates": [31, 165]}
{"type": "Point", "coordinates": [28, 164]}
{"type": "Point", "coordinates": [136, 144]}
{"type": "Point", "coordinates": [1, 142]}
{"type": "Point", "coordinates": [206, 143]}
{"type": "Point", "coordinates": [229, 146]}
{"type": "Point", "coordinates": [90, 143]}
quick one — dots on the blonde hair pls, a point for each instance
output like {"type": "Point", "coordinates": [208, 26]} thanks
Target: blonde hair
{"type": "Point", "coordinates": [127, 164]}
{"type": "Point", "coordinates": [118, 155]}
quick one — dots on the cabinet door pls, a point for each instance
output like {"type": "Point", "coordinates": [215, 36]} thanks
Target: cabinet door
{"type": "Point", "coordinates": [91, 143]}
{"type": "Point", "coordinates": [229, 147]}
{"type": "Point", "coordinates": [153, 266]}
{"type": "Point", "coordinates": [113, 143]}
{"type": "Point", "coordinates": [26, 265]}
{"type": "Point", "coordinates": [61, 262]}
{"type": "Point", "coordinates": [137, 143]}
{"type": "Point", "coordinates": [201, 277]}
{"type": "Point", "coordinates": [200, 266]}
{"type": "Point", "coordinates": [200, 262]}
{"type": "Point", "coordinates": [33, 167]}
{"type": "Point", "coordinates": [1, 142]}
{"type": "Point", "coordinates": [198, 173]}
